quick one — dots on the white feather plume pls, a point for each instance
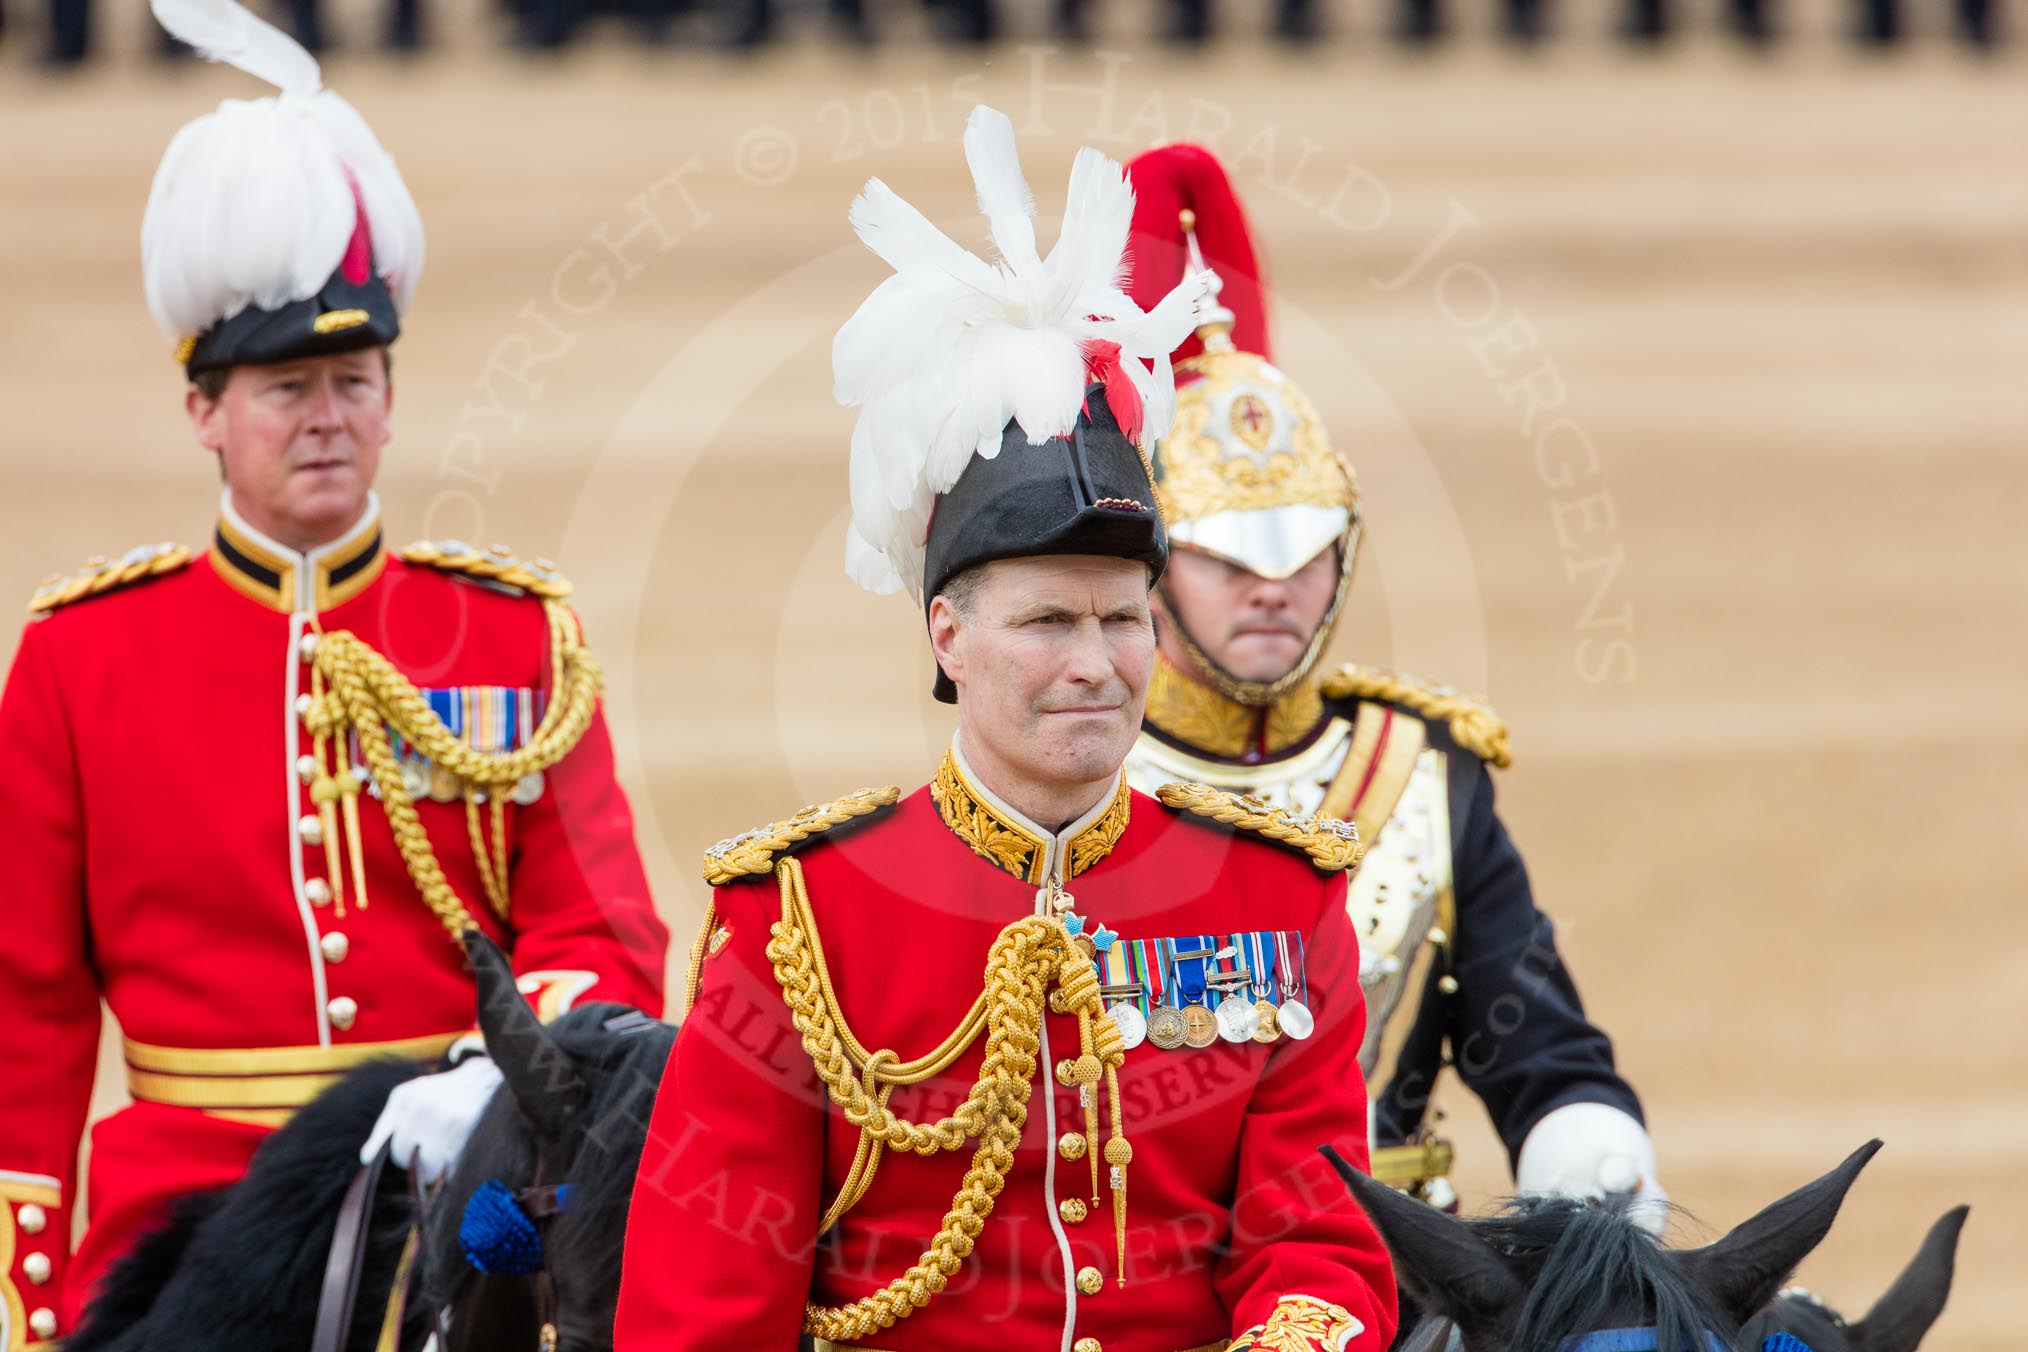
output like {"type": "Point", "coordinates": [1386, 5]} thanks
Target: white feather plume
{"type": "Point", "coordinates": [222, 30]}
{"type": "Point", "coordinates": [253, 204]}
{"type": "Point", "coordinates": [952, 347]}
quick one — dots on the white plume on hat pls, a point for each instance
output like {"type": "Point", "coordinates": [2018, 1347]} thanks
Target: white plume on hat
{"type": "Point", "coordinates": [253, 204]}
{"type": "Point", "coordinates": [948, 349]}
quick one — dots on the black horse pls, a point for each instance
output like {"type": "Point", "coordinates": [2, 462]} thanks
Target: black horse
{"type": "Point", "coordinates": [245, 1269]}
{"type": "Point", "coordinates": [1551, 1274]}
{"type": "Point", "coordinates": [1898, 1320]}
{"type": "Point", "coordinates": [556, 1153]}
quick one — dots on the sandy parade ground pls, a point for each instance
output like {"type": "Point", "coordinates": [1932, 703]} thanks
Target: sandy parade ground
{"type": "Point", "coordinates": [1685, 394]}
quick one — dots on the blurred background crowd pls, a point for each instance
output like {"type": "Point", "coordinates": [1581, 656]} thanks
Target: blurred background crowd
{"type": "Point", "coordinates": [66, 27]}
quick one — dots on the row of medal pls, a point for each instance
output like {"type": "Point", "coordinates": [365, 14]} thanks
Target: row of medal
{"type": "Point", "coordinates": [1200, 989]}
{"type": "Point", "coordinates": [489, 718]}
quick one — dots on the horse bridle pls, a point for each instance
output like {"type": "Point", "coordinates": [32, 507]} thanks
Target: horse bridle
{"type": "Point", "coordinates": [338, 1298]}
{"type": "Point", "coordinates": [1440, 1335]}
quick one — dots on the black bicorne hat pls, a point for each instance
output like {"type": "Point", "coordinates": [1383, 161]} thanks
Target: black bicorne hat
{"type": "Point", "coordinates": [1087, 492]}
{"type": "Point", "coordinates": [344, 317]}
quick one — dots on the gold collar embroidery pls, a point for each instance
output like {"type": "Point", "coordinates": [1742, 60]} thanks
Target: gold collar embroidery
{"type": "Point", "coordinates": [1013, 844]}
{"type": "Point", "coordinates": [1199, 717]}
{"type": "Point", "coordinates": [284, 580]}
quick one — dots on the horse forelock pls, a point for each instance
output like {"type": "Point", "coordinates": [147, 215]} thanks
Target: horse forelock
{"type": "Point", "coordinates": [582, 1245]}
{"type": "Point", "coordinates": [1589, 1266]}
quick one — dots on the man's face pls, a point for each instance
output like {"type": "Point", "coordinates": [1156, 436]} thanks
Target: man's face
{"type": "Point", "coordinates": [300, 441]}
{"type": "Point", "coordinates": [1051, 664]}
{"type": "Point", "coordinates": [1255, 628]}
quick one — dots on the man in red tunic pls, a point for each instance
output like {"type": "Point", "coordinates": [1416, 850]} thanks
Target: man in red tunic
{"type": "Point", "coordinates": [1024, 1059]}
{"type": "Point", "coordinates": [251, 795]}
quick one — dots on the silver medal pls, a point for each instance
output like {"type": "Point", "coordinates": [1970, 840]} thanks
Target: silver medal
{"type": "Point", "coordinates": [528, 788]}
{"type": "Point", "coordinates": [1238, 1020]}
{"type": "Point", "coordinates": [415, 779]}
{"type": "Point", "coordinates": [1133, 1027]}
{"type": "Point", "coordinates": [1296, 1019]}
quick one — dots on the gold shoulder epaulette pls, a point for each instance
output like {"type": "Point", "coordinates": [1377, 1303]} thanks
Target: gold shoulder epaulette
{"type": "Point", "coordinates": [102, 575]}
{"type": "Point", "coordinates": [1332, 845]}
{"type": "Point", "coordinates": [1473, 726]}
{"type": "Point", "coordinates": [496, 565]}
{"type": "Point", "coordinates": [754, 851]}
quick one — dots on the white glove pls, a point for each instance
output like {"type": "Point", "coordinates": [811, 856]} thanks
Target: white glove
{"type": "Point", "coordinates": [1593, 1150]}
{"type": "Point", "coordinates": [427, 1119]}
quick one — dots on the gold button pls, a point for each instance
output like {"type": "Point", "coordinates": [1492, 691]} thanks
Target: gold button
{"type": "Point", "coordinates": [307, 645]}
{"type": "Point", "coordinates": [1447, 984]}
{"type": "Point", "coordinates": [1066, 1072]}
{"type": "Point", "coordinates": [335, 946]}
{"type": "Point", "coordinates": [1439, 936]}
{"type": "Point", "coordinates": [303, 703]}
{"type": "Point", "coordinates": [306, 768]}
{"type": "Point", "coordinates": [310, 830]}
{"type": "Point", "coordinates": [343, 1011]}
{"type": "Point", "coordinates": [1070, 1145]}
{"type": "Point", "coordinates": [1087, 1345]}
{"type": "Point", "coordinates": [31, 1218]}
{"type": "Point", "coordinates": [43, 1323]}
{"type": "Point", "coordinates": [36, 1268]}
{"type": "Point", "coordinates": [1090, 1280]}
{"type": "Point", "coordinates": [318, 891]}
{"type": "Point", "coordinates": [1073, 1210]}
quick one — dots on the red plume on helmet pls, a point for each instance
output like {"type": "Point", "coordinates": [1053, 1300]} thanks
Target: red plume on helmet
{"type": "Point", "coordinates": [1168, 181]}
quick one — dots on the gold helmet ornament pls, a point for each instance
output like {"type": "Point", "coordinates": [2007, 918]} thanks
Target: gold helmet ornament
{"type": "Point", "coordinates": [1246, 473]}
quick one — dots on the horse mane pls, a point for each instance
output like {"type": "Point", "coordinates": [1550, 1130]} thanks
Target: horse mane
{"type": "Point", "coordinates": [242, 1267]}
{"type": "Point", "coordinates": [1588, 1265]}
{"type": "Point", "coordinates": [582, 1247]}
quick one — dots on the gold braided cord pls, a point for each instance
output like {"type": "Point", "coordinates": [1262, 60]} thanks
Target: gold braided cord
{"type": "Point", "coordinates": [699, 951]}
{"type": "Point", "coordinates": [1026, 959]}
{"type": "Point", "coordinates": [1473, 726]}
{"type": "Point", "coordinates": [101, 576]}
{"type": "Point", "coordinates": [363, 691]}
{"type": "Point", "coordinates": [1332, 845]}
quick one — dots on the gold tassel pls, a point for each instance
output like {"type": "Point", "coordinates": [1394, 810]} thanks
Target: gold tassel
{"type": "Point", "coordinates": [348, 789]}
{"type": "Point", "coordinates": [1118, 1154]}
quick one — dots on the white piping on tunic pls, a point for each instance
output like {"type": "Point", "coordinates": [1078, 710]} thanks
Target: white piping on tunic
{"type": "Point", "coordinates": [294, 748]}
{"type": "Point", "coordinates": [305, 601]}
{"type": "Point", "coordinates": [1056, 847]}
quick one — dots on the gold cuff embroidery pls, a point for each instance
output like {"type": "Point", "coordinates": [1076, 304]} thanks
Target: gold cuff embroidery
{"type": "Point", "coordinates": [1302, 1324]}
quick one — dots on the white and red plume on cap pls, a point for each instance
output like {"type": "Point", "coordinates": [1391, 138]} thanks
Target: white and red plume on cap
{"type": "Point", "coordinates": [259, 202]}
{"type": "Point", "coordinates": [948, 349]}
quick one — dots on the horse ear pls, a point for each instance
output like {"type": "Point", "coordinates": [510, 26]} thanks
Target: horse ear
{"type": "Point", "coordinates": [1744, 1270]}
{"type": "Point", "coordinates": [541, 1076]}
{"type": "Point", "coordinates": [1897, 1322]}
{"type": "Point", "coordinates": [1449, 1270]}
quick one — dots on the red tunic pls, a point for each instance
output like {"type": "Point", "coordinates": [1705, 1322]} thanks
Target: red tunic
{"type": "Point", "coordinates": [150, 787]}
{"type": "Point", "coordinates": [1230, 1206]}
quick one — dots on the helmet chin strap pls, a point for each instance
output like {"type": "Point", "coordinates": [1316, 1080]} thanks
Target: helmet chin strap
{"type": "Point", "coordinates": [1265, 694]}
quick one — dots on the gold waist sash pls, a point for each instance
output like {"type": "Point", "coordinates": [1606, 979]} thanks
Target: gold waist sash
{"type": "Point", "coordinates": [260, 1085]}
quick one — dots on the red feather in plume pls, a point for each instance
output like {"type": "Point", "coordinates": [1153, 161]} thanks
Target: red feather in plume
{"type": "Point", "coordinates": [1167, 181]}
{"type": "Point", "coordinates": [1102, 363]}
{"type": "Point", "coordinates": [357, 265]}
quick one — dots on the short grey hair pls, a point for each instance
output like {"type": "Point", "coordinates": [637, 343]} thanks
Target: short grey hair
{"type": "Point", "coordinates": [961, 589]}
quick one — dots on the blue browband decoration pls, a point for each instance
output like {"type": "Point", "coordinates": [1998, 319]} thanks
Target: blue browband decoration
{"type": "Point", "coordinates": [1634, 1340]}
{"type": "Point", "coordinates": [1644, 1340]}
{"type": "Point", "coordinates": [496, 1234]}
